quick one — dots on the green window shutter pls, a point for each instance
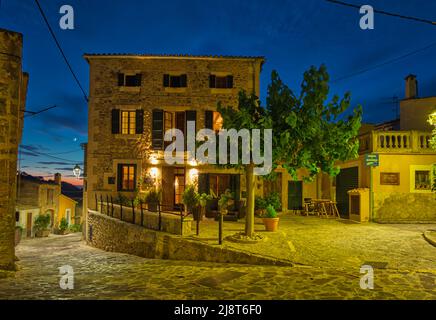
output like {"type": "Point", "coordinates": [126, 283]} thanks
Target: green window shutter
{"type": "Point", "coordinates": [212, 83]}
{"type": "Point", "coordinates": [158, 129]}
{"type": "Point", "coordinates": [229, 81]}
{"type": "Point", "coordinates": [120, 79]}
{"type": "Point", "coordinates": [138, 79]}
{"type": "Point", "coordinates": [166, 80]}
{"type": "Point", "coordinates": [203, 183]}
{"type": "Point", "coordinates": [115, 121]}
{"type": "Point", "coordinates": [119, 177]}
{"type": "Point", "coordinates": [183, 81]}
{"type": "Point", "coordinates": [208, 119]}
{"type": "Point", "coordinates": [139, 121]}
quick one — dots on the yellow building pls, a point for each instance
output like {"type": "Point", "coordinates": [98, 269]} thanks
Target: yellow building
{"type": "Point", "coordinates": [401, 183]}
{"type": "Point", "coordinates": [67, 210]}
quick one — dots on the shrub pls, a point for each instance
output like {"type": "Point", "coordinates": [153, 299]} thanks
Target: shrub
{"type": "Point", "coordinates": [259, 203]}
{"type": "Point", "coordinates": [75, 228]}
{"type": "Point", "coordinates": [42, 222]}
{"type": "Point", "coordinates": [271, 212]}
{"type": "Point", "coordinates": [153, 196]}
{"type": "Point", "coordinates": [224, 200]}
{"type": "Point", "coordinates": [190, 197]}
{"type": "Point", "coordinates": [63, 225]}
{"type": "Point", "coordinates": [273, 199]}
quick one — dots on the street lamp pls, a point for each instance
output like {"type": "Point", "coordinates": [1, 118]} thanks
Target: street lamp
{"type": "Point", "coordinates": [77, 171]}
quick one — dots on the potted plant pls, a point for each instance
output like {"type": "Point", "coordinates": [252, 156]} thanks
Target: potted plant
{"type": "Point", "coordinates": [18, 233]}
{"type": "Point", "coordinates": [224, 201]}
{"type": "Point", "coordinates": [271, 220]}
{"type": "Point", "coordinates": [41, 226]}
{"type": "Point", "coordinates": [153, 199]}
{"type": "Point", "coordinates": [189, 198]}
{"type": "Point", "coordinates": [63, 226]}
{"type": "Point", "coordinates": [202, 201]}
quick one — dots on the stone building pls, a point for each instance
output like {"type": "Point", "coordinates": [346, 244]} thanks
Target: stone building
{"type": "Point", "coordinates": [135, 98]}
{"type": "Point", "coordinates": [36, 196]}
{"type": "Point", "coordinates": [13, 89]}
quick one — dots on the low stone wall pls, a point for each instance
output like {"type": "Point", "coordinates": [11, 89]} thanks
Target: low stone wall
{"type": "Point", "coordinates": [170, 223]}
{"type": "Point", "coordinates": [111, 234]}
{"type": "Point", "coordinates": [405, 208]}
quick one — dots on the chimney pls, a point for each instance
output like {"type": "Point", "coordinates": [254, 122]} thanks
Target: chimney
{"type": "Point", "coordinates": [411, 87]}
{"type": "Point", "coordinates": [58, 178]}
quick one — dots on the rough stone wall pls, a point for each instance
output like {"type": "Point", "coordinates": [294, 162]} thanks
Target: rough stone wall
{"type": "Point", "coordinates": [404, 207]}
{"type": "Point", "coordinates": [13, 85]}
{"type": "Point", "coordinates": [111, 234]}
{"type": "Point", "coordinates": [105, 94]}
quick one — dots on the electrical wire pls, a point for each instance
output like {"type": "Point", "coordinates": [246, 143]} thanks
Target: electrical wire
{"type": "Point", "coordinates": [426, 21]}
{"type": "Point", "coordinates": [61, 50]}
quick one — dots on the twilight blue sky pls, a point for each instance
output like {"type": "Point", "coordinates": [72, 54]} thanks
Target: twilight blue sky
{"type": "Point", "coordinates": [292, 35]}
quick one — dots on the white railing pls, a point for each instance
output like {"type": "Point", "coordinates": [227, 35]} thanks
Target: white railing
{"type": "Point", "coordinates": [396, 142]}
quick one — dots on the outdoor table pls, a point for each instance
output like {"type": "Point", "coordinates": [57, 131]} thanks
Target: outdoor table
{"type": "Point", "coordinates": [326, 207]}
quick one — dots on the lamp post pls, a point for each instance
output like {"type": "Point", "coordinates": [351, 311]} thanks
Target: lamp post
{"type": "Point", "coordinates": [77, 171]}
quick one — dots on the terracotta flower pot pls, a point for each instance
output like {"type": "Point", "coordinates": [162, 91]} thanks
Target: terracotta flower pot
{"type": "Point", "coordinates": [271, 224]}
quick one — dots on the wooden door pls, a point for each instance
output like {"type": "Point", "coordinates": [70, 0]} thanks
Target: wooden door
{"type": "Point", "coordinates": [29, 225]}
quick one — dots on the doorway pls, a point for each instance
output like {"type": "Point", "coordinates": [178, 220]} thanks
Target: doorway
{"type": "Point", "coordinates": [29, 221]}
{"type": "Point", "coordinates": [346, 180]}
{"type": "Point", "coordinates": [295, 195]}
{"type": "Point", "coordinates": [179, 186]}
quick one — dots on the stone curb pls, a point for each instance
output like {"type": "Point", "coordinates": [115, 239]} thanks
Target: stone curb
{"type": "Point", "coordinates": [429, 237]}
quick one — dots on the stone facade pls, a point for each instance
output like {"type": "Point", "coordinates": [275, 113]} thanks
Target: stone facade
{"type": "Point", "coordinates": [106, 150]}
{"type": "Point", "coordinates": [111, 234]}
{"type": "Point", "coordinates": [13, 89]}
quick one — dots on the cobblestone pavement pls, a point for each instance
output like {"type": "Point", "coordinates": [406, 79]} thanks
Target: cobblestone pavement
{"type": "Point", "coordinates": [105, 275]}
{"type": "Point", "coordinates": [338, 244]}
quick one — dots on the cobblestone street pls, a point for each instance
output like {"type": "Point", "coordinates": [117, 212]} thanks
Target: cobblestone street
{"type": "Point", "coordinates": [104, 275]}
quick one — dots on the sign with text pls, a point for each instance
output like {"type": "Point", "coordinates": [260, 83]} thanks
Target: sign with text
{"type": "Point", "coordinates": [372, 160]}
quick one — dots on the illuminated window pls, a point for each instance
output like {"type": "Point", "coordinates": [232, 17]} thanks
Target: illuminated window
{"type": "Point", "coordinates": [217, 121]}
{"type": "Point", "coordinates": [179, 185]}
{"type": "Point", "coordinates": [127, 177]}
{"type": "Point", "coordinates": [422, 180]}
{"type": "Point", "coordinates": [128, 122]}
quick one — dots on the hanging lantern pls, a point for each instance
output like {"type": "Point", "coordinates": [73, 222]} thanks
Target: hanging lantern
{"type": "Point", "coordinates": [77, 171]}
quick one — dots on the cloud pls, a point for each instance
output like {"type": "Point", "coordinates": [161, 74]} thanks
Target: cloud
{"type": "Point", "coordinates": [64, 168]}
{"type": "Point", "coordinates": [54, 163]}
{"type": "Point", "coordinates": [30, 154]}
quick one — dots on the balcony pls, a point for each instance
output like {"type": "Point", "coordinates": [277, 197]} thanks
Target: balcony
{"type": "Point", "coordinates": [395, 142]}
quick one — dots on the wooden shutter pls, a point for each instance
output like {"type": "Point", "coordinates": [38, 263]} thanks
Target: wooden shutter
{"type": "Point", "coordinates": [139, 121]}
{"type": "Point", "coordinates": [208, 120]}
{"type": "Point", "coordinates": [119, 177]}
{"type": "Point", "coordinates": [115, 121]}
{"type": "Point", "coordinates": [157, 129]}
{"type": "Point", "coordinates": [138, 79]}
{"type": "Point", "coordinates": [120, 79]}
{"type": "Point", "coordinates": [212, 81]}
{"type": "Point", "coordinates": [191, 116]}
{"type": "Point", "coordinates": [203, 183]}
{"type": "Point", "coordinates": [229, 81]}
{"type": "Point", "coordinates": [183, 81]}
{"type": "Point", "coordinates": [166, 80]}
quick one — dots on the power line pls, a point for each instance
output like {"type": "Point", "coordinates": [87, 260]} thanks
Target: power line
{"type": "Point", "coordinates": [384, 63]}
{"type": "Point", "coordinates": [54, 157]}
{"type": "Point", "coordinates": [34, 113]}
{"type": "Point", "coordinates": [60, 49]}
{"type": "Point", "coordinates": [386, 13]}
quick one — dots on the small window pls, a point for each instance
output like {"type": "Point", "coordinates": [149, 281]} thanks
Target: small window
{"type": "Point", "coordinates": [422, 180]}
{"type": "Point", "coordinates": [221, 82]}
{"type": "Point", "coordinates": [129, 80]}
{"type": "Point", "coordinates": [128, 122]}
{"type": "Point", "coordinates": [175, 81]}
{"type": "Point", "coordinates": [127, 177]}
{"type": "Point", "coordinates": [17, 216]}
{"type": "Point", "coordinates": [111, 180]}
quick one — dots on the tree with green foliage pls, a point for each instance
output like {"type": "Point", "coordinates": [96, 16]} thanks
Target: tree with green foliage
{"type": "Point", "coordinates": [309, 132]}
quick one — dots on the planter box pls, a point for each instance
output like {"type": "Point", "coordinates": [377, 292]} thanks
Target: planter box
{"type": "Point", "coordinates": [42, 234]}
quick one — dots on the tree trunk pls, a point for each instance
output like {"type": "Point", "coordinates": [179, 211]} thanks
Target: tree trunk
{"type": "Point", "coordinates": [249, 218]}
